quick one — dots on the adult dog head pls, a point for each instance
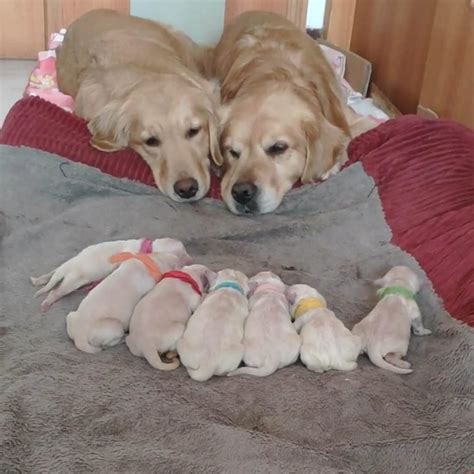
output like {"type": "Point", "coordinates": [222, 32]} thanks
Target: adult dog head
{"type": "Point", "coordinates": [168, 119]}
{"type": "Point", "coordinates": [282, 119]}
{"type": "Point", "coordinates": [140, 84]}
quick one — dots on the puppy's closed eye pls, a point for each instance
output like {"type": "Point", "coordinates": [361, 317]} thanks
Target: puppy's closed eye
{"type": "Point", "coordinates": [277, 148]}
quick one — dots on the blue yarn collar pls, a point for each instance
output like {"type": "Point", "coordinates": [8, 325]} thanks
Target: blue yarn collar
{"type": "Point", "coordinates": [229, 284]}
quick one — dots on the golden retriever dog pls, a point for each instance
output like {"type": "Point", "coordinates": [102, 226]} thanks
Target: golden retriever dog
{"type": "Point", "coordinates": [282, 118]}
{"type": "Point", "coordinates": [142, 85]}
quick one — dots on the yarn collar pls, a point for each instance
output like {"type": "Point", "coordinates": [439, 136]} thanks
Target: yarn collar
{"type": "Point", "coordinates": [178, 275]}
{"type": "Point", "coordinates": [146, 246]}
{"type": "Point", "coordinates": [230, 285]}
{"type": "Point", "coordinates": [151, 267]}
{"type": "Point", "coordinates": [396, 291]}
{"type": "Point", "coordinates": [266, 287]}
{"type": "Point", "coordinates": [306, 304]}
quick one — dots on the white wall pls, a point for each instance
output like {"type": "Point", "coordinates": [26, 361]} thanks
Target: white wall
{"type": "Point", "coordinates": [315, 17]}
{"type": "Point", "coordinates": [202, 20]}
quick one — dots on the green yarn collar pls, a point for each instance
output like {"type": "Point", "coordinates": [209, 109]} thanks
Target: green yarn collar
{"type": "Point", "coordinates": [397, 291]}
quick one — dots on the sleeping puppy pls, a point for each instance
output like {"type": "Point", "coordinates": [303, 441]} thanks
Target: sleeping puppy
{"type": "Point", "coordinates": [212, 342]}
{"type": "Point", "coordinates": [140, 84]}
{"type": "Point", "coordinates": [104, 314]}
{"type": "Point", "coordinates": [92, 264]}
{"type": "Point", "coordinates": [160, 318]}
{"type": "Point", "coordinates": [270, 340]}
{"type": "Point", "coordinates": [282, 115]}
{"type": "Point", "coordinates": [385, 332]}
{"type": "Point", "coordinates": [326, 343]}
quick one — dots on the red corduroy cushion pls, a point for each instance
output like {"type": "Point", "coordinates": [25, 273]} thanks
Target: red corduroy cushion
{"type": "Point", "coordinates": [39, 124]}
{"type": "Point", "coordinates": [423, 169]}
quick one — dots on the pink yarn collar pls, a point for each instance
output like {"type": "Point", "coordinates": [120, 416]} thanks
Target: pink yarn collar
{"type": "Point", "coordinates": [266, 287]}
{"type": "Point", "coordinates": [146, 246]}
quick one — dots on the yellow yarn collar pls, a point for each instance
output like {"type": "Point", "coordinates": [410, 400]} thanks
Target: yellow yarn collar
{"type": "Point", "coordinates": [305, 304]}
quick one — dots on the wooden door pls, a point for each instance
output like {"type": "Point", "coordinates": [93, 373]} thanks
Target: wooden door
{"type": "Point", "coordinates": [448, 81]}
{"type": "Point", "coordinates": [394, 35]}
{"type": "Point", "coordinates": [21, 28]}
{"type": "Point", "coordinates": [61, 13]}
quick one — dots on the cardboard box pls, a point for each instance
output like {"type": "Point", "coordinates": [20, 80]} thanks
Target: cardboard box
{"type": "Point", "coordinates": [358, 70]}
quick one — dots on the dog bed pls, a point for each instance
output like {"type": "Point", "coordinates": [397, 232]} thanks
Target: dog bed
{"type": "Point", "coordinates": [62, 410]}
{"type": "Point", "coordinates": [423, 169]}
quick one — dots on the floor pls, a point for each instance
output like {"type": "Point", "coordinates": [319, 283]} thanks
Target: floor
{"type": "Point", "coordinates": [13, 77]}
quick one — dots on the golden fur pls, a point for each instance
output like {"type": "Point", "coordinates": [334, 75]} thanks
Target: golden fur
{"type": "Point", "coordinates": [142, 84]}
{"type": "Point", "coordinates": [282, 117]}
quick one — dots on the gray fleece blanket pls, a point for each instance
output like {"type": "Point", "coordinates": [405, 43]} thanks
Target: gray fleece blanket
{"type": "Point", "coordinates": [65, 411]}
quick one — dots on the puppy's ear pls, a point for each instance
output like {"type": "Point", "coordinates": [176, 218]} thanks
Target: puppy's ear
{"type": "Point", "coordinates": [325, 148]}
{"type": "Point", "coordinates": [380, 282]}
{"type": "Point", "coordinates": [253, 285]}
{"type": "Point", "coordinates": [176, 247]}
{"type": "Point", "coordinates": [211, 278]}
{"type": "Point", "coordinates": [246, 288]}
{"type": "Point", "coordinates": [208, 279]}
{"type": "Point", "coordinates": [110, 128]}
{"type": "Point", "coordinates": [290, 294]}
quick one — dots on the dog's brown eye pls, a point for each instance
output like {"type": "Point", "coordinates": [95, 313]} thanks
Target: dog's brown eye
{"type": "Point", "coordinates": [192, 132]}
{"type": "Point", "coordinates": [152, 141]}
{"type": "Point", "coordinates": [235, 154]}
{"type": "Point", "coordinates": [277, 149]}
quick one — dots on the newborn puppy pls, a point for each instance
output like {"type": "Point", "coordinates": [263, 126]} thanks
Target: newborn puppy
{"type": "Point", "coordinates": [326, 343]}
{"type": "Point", "coordinates": [92, 264]}
{"type": "Point", "coordinates": [385, 332]}
{"type": "Point", "coordinates": [212, 341]}
{"type": "Point", "coordinates": [160, 318]}
{"type": "Point", "coordinates": [270, 340]}
{"type": "Point", "coordinates": [104, 314]}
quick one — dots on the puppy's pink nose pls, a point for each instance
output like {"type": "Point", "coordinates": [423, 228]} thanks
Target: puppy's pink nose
{"type": "Point", "coordinates": [186, 188]}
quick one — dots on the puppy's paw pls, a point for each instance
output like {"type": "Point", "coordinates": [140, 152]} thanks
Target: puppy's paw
{"type": "Point", "coordinates": [36, 281]}
{"type": "Point", "coordinates": [45, 305]}
{"type": "Point", "coordinates": [421, 332]}
{"type": "Point", "coordinates": [334, 170]}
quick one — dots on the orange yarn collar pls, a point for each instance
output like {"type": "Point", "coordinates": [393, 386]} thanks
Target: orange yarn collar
{"type": "Point", "coordinates": [150, 265]}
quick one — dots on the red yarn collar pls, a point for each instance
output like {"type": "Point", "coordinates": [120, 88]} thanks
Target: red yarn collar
{"type": "Point", "coordinates": [183, 277]}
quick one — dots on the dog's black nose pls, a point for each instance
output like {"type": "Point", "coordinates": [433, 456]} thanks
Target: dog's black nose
{"type": "Point", "coordinates": [186, 188]}
{"type": "Point", "coordinates": [244, 192]}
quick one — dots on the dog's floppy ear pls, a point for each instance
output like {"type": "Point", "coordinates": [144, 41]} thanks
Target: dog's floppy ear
{"type": "Point", "coordinates": [325, 148]}
{"type": "Point", "coordinates": [214, 142]}
{"type": "Point", "coordinates": [212, 90]}
{"type": "Point", "coordinates": [325, 89]}
{"type": "Point", "coordinates": [110, 128]}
